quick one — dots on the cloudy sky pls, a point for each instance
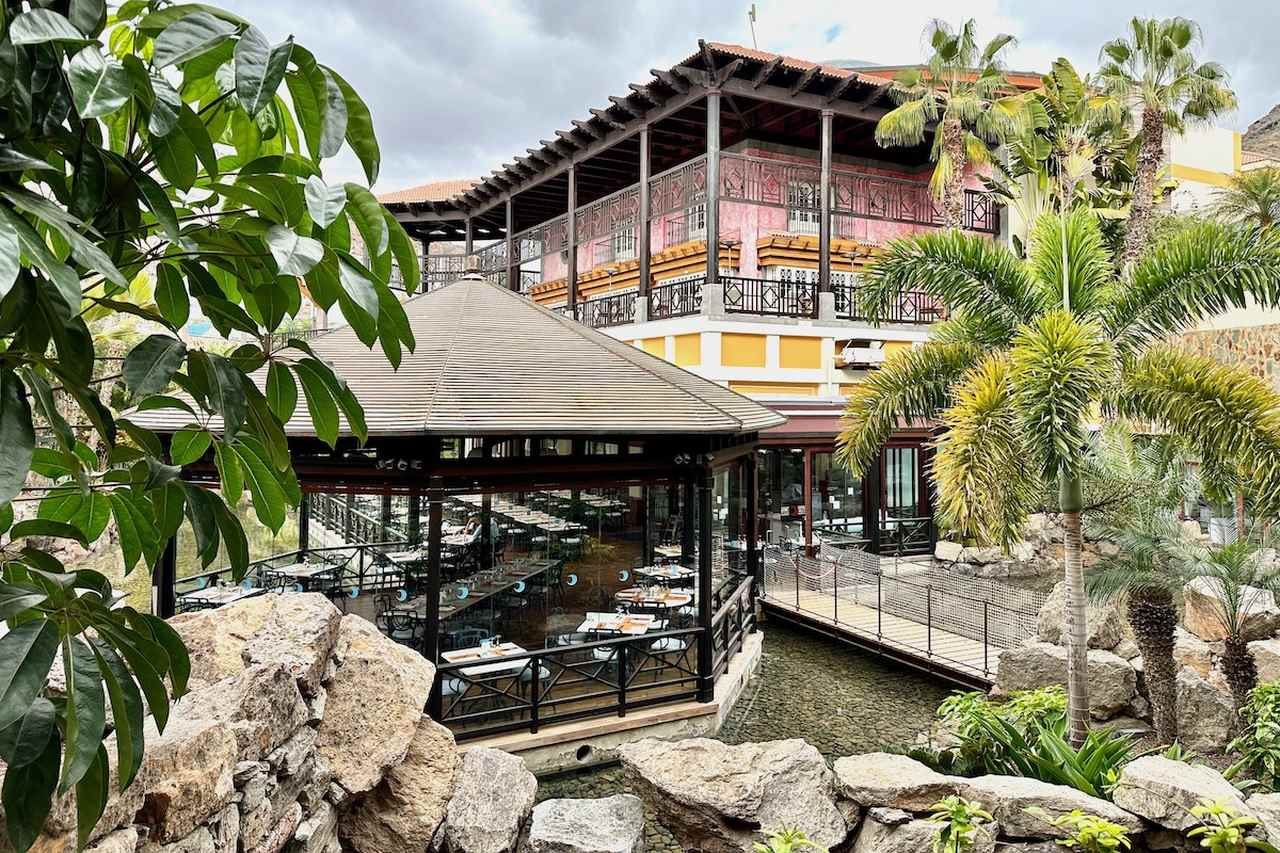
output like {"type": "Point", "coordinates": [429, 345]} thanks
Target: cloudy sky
{"type": "Point", "coordinates": [457, 87]}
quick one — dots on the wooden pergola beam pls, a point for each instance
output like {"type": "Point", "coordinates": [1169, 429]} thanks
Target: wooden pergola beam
{"type": "Point", "coordinates": [840, 88]}
{"type": "Point", "coordinates": [671, 80]}
{"type": "Point", "coordinates": [805, 78]}
{"type": "Point", "coordinates": [766, 71]}
{"type": "Point", "coordinates": [622, 104]}
{"type": "Point", "coordinates": [586, 128]}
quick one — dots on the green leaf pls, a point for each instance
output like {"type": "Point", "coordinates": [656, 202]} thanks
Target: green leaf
{"type": "Point", "coordinates": [351, 408]}
{"type": "Point", "coordinates": [91, 795]}
{"type": "Point", "coordinates": [282, 391]}
{"type": "Point", "coordinates": [165, 109]}
{"type": "Point", "coordinates": [259, 69]}
{"type": "Point", "coordinates": [359, 135]}
{"type": "Point", "coordinates": [15, 599]}
{"type": "Point", "coordinates": [153, 195]}
{"type": "Point", "coordinates": [188, 445]}
{"type": "Point", "coordinates": [26, 654]}
{"type": "Point", "coordinates": [294, 255]}
{"type": "Point", "coordinates": [204, 523]}
{"type": "Point", "coordinates": [268, 496]}
{"type": "Point", "coordinates": [86, 714]}
{"type": "Point", "coordinates": [127, 529]}
{"type": "Point", "coordinates": [172, 297]}
{"type": "Point", "coordinates": [175, 158]}
{"type": "Point", "coordinates": [24, 741]}
{"type": "Point", "coordinates": [88, 15]}
{"type": "Point", "coordinates": [320, 402]}
{"type": "Point", "coordinates": [10, 256]}
{"type": "Point", "coordinates": [48, 408]}
{"type": "Point", "coordinates": [190, 37]}
{"type": "Point", "coordinates": [324, 202]}
{"type": "Point", "coordinates": [198, 135]}
{"type": "Point", "coordinates": [402, 249]}
{"type": "Point", "coordinates": [226, 397]}
{"type": "Point", "coordinates": [167, 505]}
{"type": "Point", "coordinates": [179, 668]}
{"type": "Point", "coordinates": [126, 711]}
{"type": "Point", "coordinates": [27, 795]}
{"type": "Point", "coordinates": [229, 472]}
{"type": "Point", "coordinates": [368, 216]}
{"type": "Point", "coordinates": [45, 527]}
{"type": "Point", "coordinates": [13, 160]}
{"type": "Point", "coordinates": [68, 227]}
{"type": "Point", "coordinates": [233, 539]}
{"type": "Point", "coordinates": [358, 285]}
{"type": "Point", "coordinates": [99, 86]}
{"type": "Point", "coordinates": [17, 436]}
{"type": "Point", "coordinates": [149, 367]}
{"type": "Point", "coordinates": [148, 663]}
{"type": "Point", "coordinates": [66, 280]}
{"type": "Point", "coordinates": [6, 518]}
{"type": "Point", "coordinates": [43, 25]}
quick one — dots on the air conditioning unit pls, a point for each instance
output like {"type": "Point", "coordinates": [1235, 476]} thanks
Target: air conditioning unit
{"type": "Point", "coordinates": [862, 357]}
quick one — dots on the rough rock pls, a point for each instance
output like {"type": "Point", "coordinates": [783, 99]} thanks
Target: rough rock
{"type": "Point", "coordinates": [1259, 614]}
{"type": "Point", "coordinates": [121, 841]}
{"type": "Point", "coordinates": [915, 836]}
{"type": "Point", "coordinates": [1266, 656]}
{"type": "Point", "coordinates": [492, 798]}
{"type": "Point", "coordinates": [299, 634]}
{"type": "Point", "coordinates": [1128, 650]}
{"type": "Point", "coordinates": [262, 705]}
{"type": "Point", "coordinates": [225, 828]}
{"type": "Point", "coordinates": [360, 738]}
{"type": "Point", "coordinates": [216, 639]}
{"type": "Point", "coordinates": [1113, 682]}
{"type": "Point", "coordinates": [1190, 650]}
{"type": "Point", "coordinates": [716, 797]}
{"type": "Point", "coordinates": [278, 836]}
{"type": "Point", "coordinates": [406, 809]}
{"type": "Point", "coordinates": [1009, 797]}
{"type": "Point", "coordinates": [1266, 808]}
{"type": "Point", "coordinates": [1105, 623]}
{"type": "Point", "coordinates": [895, 781]}
{"type": "Point", "coordinates": [607, 825]}
{"type": "Point", "coordinates": [1205, 714]}
{"type": "Point", "coordinates": [1163, 791]}
{"type": "Point", "coordinates": [199, 840]}
{"type": "Point", "coordinates": [319, 832]}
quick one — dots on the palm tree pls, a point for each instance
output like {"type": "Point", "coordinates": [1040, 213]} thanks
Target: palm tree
{"type": "Point", "coordinates": [963, 90]}
{"type": "Point", "coordinates": [1036, 348]}
{"type": "Point", "coordinates": [1252, 198]}
{"type": "Point", "coordinates": [1155, 74]}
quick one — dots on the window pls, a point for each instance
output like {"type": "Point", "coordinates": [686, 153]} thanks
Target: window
{"type": "Point", "coordinates": [803, 212]}
{"type": "Point", "coordinates": [695, 218]}
{"type": "Point", "coordinates": [623, 243]}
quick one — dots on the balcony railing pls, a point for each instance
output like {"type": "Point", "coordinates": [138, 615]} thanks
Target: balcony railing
{"type": "Point", "coordinates": [913, 307]}
{"type": "Point", "coordinates": [442, 269]}
{"type": "Point", "coordinates": [677, 299]}
{"type": "Point", "coordinates": [616, 309]}
{"type": "Point", "coordinates": [776, 298]}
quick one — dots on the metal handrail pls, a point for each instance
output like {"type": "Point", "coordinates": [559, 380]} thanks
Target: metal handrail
{"type": "Point", "coordinates": [615, 309]}
{"type": "Point", "coordinates": [677, 299]}
{"type": "Point", "coordinates": [765, 296]}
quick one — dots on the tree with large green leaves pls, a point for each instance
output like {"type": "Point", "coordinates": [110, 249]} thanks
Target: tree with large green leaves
{"type": "Point", "coordinates": [1038, 349]}
{"type": "Point", "coordinates": [173, 146]}
{"type": "Point", "coordinates": [963, 95]}
{"type": "Point", "coordinates": [1155, 74]}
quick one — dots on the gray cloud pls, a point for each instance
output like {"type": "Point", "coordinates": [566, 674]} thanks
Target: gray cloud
{"type": "Point", "coordinates": [456, 88]}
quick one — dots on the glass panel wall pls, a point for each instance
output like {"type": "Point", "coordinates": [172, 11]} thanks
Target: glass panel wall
{"type": "Point", "coordinates": [780, 510]}
{"type": "Point", "coordinates": [837, 501]}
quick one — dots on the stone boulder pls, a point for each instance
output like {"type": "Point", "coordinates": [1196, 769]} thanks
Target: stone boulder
{"type": "Point", "coordinates": [895, 781]}
{"type": "Point", "coordinates": [262, 705]}
{"type": "Point", "coordinates": [402, 814]}
{"type": "Point", "coordinates": [1105, 622]}
{"type": "Point", "coordinates": [492, 798]}
{"type": "Point", "coordinates": [297, 630]}
{"type": "Point", "coordinates": [1266, 808]}
{"type": "Point", "coordinates": [1009, 797]}
{"type": "Point", "coordinates": [1206, 716]}
{"type": "Point", "coordinates": [718, 797]}
{"type": "Point", "coordinates": [607, 825]}
{"type": "Point", "coordinates": [912, 836]}
{"type": "Point", "coordinates": [1259, 615]}
{"type": "Point", "coordinates": [1191, 651]}
{"type": "Point", "coordinates": [1266, 656]}
{"type": "Point", "coordinates": [1113, 682]}
{"type": "Point", "coordinates": [374, 701]}
{"type": "Point", "coordinates": [1163, 791]}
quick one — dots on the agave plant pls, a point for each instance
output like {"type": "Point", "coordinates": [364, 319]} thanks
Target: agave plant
{"type": "Point", "coordinates": [1039, 349]}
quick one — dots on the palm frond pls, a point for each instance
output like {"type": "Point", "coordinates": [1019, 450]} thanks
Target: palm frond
{"type": "Point", "coordinates": [911, 385]}
{"type": "Point", "coordinates": [1252, 198]}
{"type": "Point", "coordinates": [904, 124]}
{"type": "Point", "coordinates": [985, 488]}
{"type": "Point", "coordinates": [1089, 272]}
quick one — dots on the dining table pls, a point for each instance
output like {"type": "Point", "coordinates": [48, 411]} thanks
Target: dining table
{"type": "Point", "coordinates": [491, 659]}
{"type": "Point", "coordinates": [667, 573]}
{"type": "Point", "coordinates": [671, 552]}
{"type": "Point", "coordinates": [632, 624]}
{"type": "Point", "coordinates": [656, 597]}
{"type": "Point", "coordinates": [217, 596]}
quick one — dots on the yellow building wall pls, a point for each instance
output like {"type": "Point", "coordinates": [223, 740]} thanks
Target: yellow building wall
{"type": "Point", "coordinates": [770, 389]}
{"type": "Point", "coordinates": [800, 353]}
{"type": "Point", "coordinates": [892, 348]}
{"type": "Point", "coordinates": [737, 350]}
{"type": "Point", "coordinates": [655, 346]}
{"type": "Point", "coordinates": [688, 350]}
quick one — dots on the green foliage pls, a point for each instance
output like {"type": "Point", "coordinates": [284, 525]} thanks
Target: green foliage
{"type": "Point", "coordinates": [1085, 832]}
{"type": "Point", "coordinates": [1258, 743]}
{"type": "Point", "coordinates": [1222, 831]}
{"type": "Point", "coordinates": [962, 824]}
{"type": "Point", "coordinates": [154, 144]}
{"type": "Point", "coordinates": [786, 840]}
{"type": "Point", "coordinates": [1252, 198]}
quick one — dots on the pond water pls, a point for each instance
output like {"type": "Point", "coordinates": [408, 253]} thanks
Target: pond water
{"type": "Point", "coordinates": [842, 700]}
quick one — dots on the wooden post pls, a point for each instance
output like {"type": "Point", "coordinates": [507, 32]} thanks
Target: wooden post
{"type": "Point", "coordinates": [706, 649]}
{"type": "Point", "coordinates": [164, 596]}
{"type": "Point", "coordinates": [642, 216]}
{"type": "Point", "coordinates": [713, 186]}
{"type": "Point", "coordinates": [824, 206]}
{"type": "Point", "coordinates": [513, 269]}
{"type": "Point", "coordinates": [571, 266]}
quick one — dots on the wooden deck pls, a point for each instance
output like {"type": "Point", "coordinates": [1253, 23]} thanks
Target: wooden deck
{"type": "Point", "coordinates": [960, 659]}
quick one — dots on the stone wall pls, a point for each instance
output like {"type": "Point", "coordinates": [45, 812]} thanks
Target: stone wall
{"type": "Point", "coordinates": [1253, 348]}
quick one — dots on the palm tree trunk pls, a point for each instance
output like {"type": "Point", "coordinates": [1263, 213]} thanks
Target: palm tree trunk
{"type": "Point", "coordinates": [1153, 617]}
{"type": "Point", "coordinates": [1239, 668]}
{"type": "Point", "coordinates": [1072, 501]}
{"type": "Point", "coordinates": [1142, 208]}
{"type": "Point", "coordinates": [1240, 520]}
{"type": "Point", "coordinates": [953, 198]}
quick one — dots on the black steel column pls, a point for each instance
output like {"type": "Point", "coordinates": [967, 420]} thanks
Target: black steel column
{"type": "Point", "coordinates": [571, 268]}
{"type": "Point", "coordinates": [468, 244]}
{"type": "Point", "coordinates": [642, 216]}
{"type": "Point", "coordinates": [871, 504]}
{"type": "Point", "coordinates": [686, 524]}
{"type": "Point", "coordinates": [435, 525]}
{"type": "Point", "coordinates": [755, 566]}
{"type": "Point", "coordinates": [824, 203]}
{"type": "Point", "coordinates": [347, 519]}
{"type": "Point", "coordinates": [706, 649]}
{"type": "Point", "coordinates": [384, 517]}
{"type": "Point", "coordinates": [646, 528]}
{"type": "Point", "coordinates": [164, 579]}
{"type": "Point", "coordinates": [713, 186]}
{"type": "Point", "coordinates": [513, 269]}
{"type": "Point", "coordinates": [304, 522]}
{"type": "Point", "coordinates": [414, 525]}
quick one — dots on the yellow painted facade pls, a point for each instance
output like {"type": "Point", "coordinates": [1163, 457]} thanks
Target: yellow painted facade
{"type": "Point", "coordinates": [688, 350]}
{"type": "Point", "coordinates": [1203, 176]}
{"type": "Point", "coordinates": [776, 389]}
{"type": "Point", "coordinates": [800, 353]}
{"type": "Point", "coordinates": [655, 346]}
{"type": "Point", "coordinates": [738, 350]}
{"type": "Point", "coordinates": [892, 348]}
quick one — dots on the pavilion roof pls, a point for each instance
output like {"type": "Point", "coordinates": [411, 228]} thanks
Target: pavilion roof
{"type": "Point", "coordinates": [489, 361]}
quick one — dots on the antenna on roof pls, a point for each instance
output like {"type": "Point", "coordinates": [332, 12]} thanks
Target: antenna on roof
{"type": "Point", "coordinates": [751, 18]}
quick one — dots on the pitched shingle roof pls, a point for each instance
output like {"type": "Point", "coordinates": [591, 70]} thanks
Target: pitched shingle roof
{"type": "Point", "coordinates": [491, 362]}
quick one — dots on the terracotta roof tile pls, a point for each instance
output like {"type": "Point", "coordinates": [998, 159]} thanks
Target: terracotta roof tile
{"type": "Point", "coordinates": [793, 62]}
{"type": "Point", "coordinates": [434, 191]}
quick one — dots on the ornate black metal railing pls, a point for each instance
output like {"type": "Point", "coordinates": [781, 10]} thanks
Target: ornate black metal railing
{"type": "Point", "coordinates": [678, 299]}
{"type": "Point", "coordinates": [281, 339]}
{"type": "Point", "coordinates": [777, 298]}
{"type": "Point", "coordinates": [865, 196]}
{"type": "Point", "coordinates": [345, 518]}
{"type": "Point", "coordinates": [913, 307]}
{"type": "Point", "coordinates": [438, 270]}
{"type": "Point", "coordinates": [616, 309]}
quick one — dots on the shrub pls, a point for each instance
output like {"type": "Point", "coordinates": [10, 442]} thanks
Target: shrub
{"type": "Point", "coordinates": [1045, 754]}
{"type": "Point", "coordinates": [787, 839]}
{"type": "Point", "coordinates": [1258, 744]}
{"type": "Point", "coordinates": [961, 823]}
{"type": "Point", "coordinates": [1221, 830]}
{"type": "Point", "coordinates": [1085, 832]}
